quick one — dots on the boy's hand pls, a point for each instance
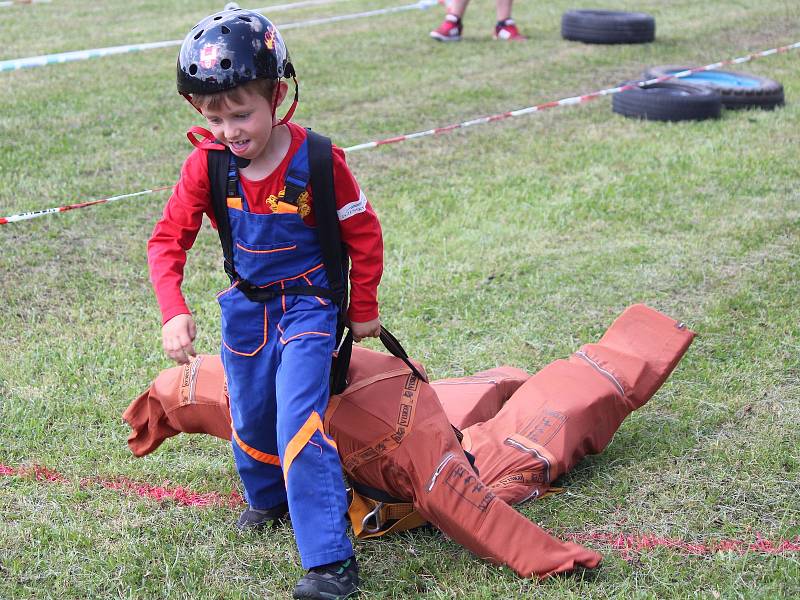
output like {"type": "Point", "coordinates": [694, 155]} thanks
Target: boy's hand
{"type": "Point", "coordinates": [177, 335]}
{"type": "Point", "coordinates": [366, 329]}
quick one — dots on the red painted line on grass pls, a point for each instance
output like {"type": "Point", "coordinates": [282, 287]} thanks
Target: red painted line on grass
{"type": "Point", "coordinates": [179, 495]}
{"type": "Point", "coordinates": [629, 544]}
{"type": "Point", "coordinates": [626, 544]}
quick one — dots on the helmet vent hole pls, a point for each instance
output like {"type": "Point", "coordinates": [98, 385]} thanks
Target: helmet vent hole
{"type": "Point", "coordinates": [193, 70]}
{"type": "Point", "coordinates": [198, 34]}
{"type": "Point", "coordinates": [225, 63]}
{"type": "Point", "coordinates": [217, 18]}
{"type": "Point", "coordinates": [243, 18]}
{"type": "Point", "coordinates": [225, 30]}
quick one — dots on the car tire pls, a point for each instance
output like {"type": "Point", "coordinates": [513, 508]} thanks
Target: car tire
{"type": "Point", "coordinates": [738, 90]}
{"type": "Point", "coordinates": [607, 27]}
{"type": "Point", "coordinates": [668, 101]}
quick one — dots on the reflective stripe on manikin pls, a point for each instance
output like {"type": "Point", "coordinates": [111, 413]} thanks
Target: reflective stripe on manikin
{"type": "Point", "coordinates": [260, 456]}
{"type": "Point", "coordinates": [301, 439]}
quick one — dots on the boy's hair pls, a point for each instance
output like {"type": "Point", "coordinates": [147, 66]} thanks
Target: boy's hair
{"type": "Point", "coordinates": [263, 87]}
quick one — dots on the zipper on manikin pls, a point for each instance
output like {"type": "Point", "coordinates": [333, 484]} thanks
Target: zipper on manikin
{"type": "Point", "coordinates": [447, 458]}
{"type": "Point", "coordinates": [602, 371]}
{"type": "Point", "coordinates": [533, 452]}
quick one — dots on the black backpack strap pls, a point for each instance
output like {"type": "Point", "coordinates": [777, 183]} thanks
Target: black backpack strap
{"type": "Point", "coordinates": [320, 160]}
{"type": "Point", "coordinates": [218, 174]}
{"type": "Point", "coordinates": [334, 254]}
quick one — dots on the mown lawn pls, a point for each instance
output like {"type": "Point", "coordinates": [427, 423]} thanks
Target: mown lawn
{"type": "Point", "coordinates": [510, 243]}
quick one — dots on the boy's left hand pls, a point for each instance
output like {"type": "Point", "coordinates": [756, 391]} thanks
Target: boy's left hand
{"type": "Point", "coordinates": [366, 329]}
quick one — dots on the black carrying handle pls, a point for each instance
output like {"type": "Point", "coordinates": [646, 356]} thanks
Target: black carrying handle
{"type": "Point", "coordinates": [342, 362]}
{"type": "Point", "coordinates": [392, 345]}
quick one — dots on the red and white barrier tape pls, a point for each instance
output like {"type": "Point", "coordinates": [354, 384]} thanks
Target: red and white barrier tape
{"type": "Point", "coordinates": [64, 57]}
{"type": "Point", "coordinates": [570, 100]}
{"type": "Point", "coordinates": [49, 211]}
{"type": "Point", "coordinates": [294, 5]}
{"type": "Point", "coordinates": [464, 124]}
{"type": "Point", "coordinates": [13, 2]}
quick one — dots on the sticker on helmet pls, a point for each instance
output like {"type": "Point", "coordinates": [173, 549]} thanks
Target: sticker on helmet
{"type": "Point", "coordinates": [208, 55]}
{"type": "Point", "coordinates": [269, 37]}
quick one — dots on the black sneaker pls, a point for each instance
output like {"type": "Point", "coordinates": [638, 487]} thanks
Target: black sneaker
{"type": "Point", "coordinates": [255, 518]}
{"type": "Point", "coordinates": [334, 581]}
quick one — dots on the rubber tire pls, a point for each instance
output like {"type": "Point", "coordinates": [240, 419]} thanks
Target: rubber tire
{"type": "Point", "coordinates": [607, 27]}
{"type": "Point", "coordinates": [767, 95]}
{"type": "Point", "coordinates": [668, 101]}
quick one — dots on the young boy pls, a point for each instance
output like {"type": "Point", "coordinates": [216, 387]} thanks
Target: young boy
{"type": "Point", "coordinates": [276, 352]}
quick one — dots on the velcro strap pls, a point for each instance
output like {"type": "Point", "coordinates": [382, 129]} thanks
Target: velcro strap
{"type": "Point", "coordinates": [395, 512]}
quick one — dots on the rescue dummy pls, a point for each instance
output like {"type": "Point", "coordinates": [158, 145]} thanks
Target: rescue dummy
{"type": "Point", "coordinates": [394, 432]}
{"type": "Point", "coordinates": [284, 202]}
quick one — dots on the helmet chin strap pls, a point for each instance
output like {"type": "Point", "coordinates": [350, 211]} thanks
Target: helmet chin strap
{"type": "Point", "coordinates": [188, 98]}
{"type": "Point", "coordinates": [292, 108]}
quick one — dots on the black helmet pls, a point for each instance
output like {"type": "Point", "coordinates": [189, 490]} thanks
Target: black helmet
{"type": "Point", "coordinates": [230, 48]}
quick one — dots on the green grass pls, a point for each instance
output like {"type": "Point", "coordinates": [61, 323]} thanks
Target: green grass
{"type": "Point", "coordinates": [510, 243]}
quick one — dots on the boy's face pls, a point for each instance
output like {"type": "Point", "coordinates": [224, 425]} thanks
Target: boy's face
{"type": "Point", "coordinates": [244, 124]}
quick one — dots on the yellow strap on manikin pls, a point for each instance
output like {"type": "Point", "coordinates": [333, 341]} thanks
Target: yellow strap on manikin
{"type": "Point", "coordinates": [365, 512]}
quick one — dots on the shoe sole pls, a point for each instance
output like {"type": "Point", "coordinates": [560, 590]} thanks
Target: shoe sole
{"type": "Point", "coordinates": [327, 596]}
{"type": "Point", "coordinates": [444, 38]}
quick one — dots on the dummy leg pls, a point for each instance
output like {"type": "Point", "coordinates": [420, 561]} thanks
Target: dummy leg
{"type": "Point", "coordinates": [477, 398]}
{"type": "Point", "coordinates": [573, 407]}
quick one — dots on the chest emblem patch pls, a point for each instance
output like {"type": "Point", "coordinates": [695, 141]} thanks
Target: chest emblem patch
{"type": "Point", "coordinates": [277, 205]}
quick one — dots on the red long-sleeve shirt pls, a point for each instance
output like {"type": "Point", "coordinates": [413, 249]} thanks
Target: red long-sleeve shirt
{"type": "Point", "coordinates": [177, 229]}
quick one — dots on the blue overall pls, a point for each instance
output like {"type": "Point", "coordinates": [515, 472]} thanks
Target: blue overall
{"type": "Point", "coordinates": [277, 359]}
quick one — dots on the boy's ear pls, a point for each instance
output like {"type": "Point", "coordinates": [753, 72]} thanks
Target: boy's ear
{"type": "Point", "coordinates": [281, 90]}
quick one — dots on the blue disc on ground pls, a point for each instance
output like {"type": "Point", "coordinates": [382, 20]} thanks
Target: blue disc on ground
{"type": "Point", "coordinates": [719, 78]}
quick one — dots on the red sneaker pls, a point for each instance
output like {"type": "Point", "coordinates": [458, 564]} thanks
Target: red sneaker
{"type": "Point", "coordinates": [507, 30]}
{"type": "Point", "coordinates": [449, 30]}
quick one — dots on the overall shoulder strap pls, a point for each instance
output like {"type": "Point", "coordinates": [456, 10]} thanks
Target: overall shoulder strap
{"type": "Point", "coordinates": [297, 175]}
{"type": "Point", "coordinates": [219, 167]}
